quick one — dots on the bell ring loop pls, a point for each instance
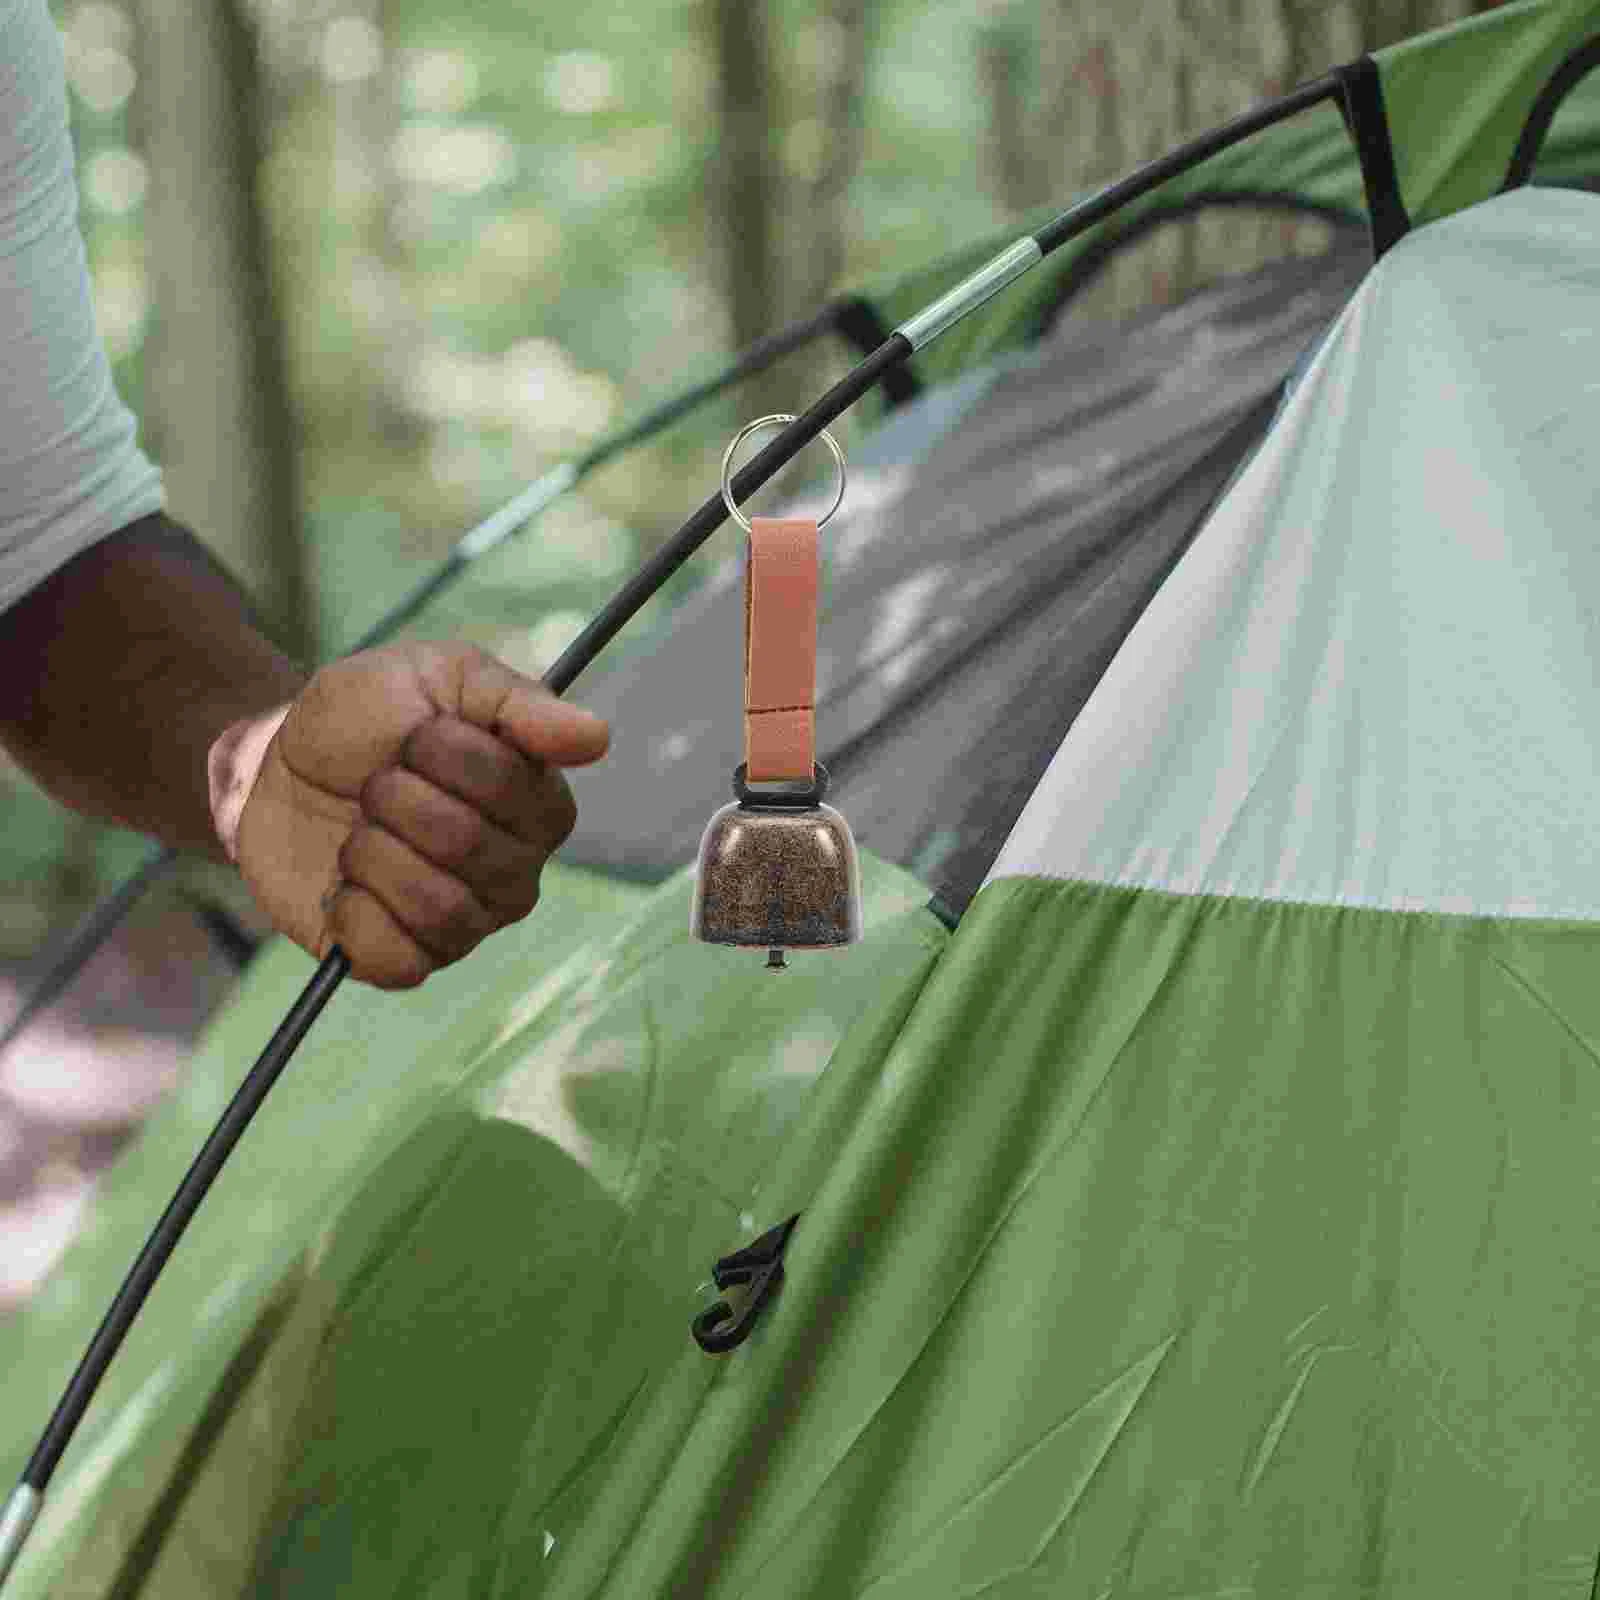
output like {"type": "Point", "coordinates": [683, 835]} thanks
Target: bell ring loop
{"type": "Point", "coordinates": [798, 792]}
{"type": "Point", "coordinates": [777, 419]}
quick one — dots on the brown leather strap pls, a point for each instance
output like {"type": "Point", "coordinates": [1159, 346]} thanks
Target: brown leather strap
{"type": "Point", "coordinates": [780, 649]}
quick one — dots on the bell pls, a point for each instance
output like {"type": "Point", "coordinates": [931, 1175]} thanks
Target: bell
{"type": "Point", "coordinates": [778, 869]}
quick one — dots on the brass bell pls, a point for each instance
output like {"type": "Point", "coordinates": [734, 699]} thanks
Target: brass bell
{"type": "Point", "coordinates": [778, 869]}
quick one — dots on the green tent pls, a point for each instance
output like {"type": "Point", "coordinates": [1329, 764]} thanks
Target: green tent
{"type": "Point", "coordinates": [1208, 1212]}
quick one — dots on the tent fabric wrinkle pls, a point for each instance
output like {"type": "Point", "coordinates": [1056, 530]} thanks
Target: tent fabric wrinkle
{"type": "Point", "coordinates": [1367, 686]}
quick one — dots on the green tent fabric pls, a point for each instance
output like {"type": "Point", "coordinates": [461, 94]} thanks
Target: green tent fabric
{"type": "Point", "coordinates": [1209, 1214]}
{"type": "Point", "coordinates": [370, 1072]}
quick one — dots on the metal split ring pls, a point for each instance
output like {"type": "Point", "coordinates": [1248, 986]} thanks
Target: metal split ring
{"type": "Point", "coordinates": [776, 419]}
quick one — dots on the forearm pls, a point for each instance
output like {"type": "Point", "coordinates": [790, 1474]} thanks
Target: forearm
{"type": "Point", "coordinates": [119, 671]}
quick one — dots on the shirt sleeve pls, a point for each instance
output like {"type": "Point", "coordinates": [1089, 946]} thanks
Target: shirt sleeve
{"type": "Point", "coordinates": [71, 471]}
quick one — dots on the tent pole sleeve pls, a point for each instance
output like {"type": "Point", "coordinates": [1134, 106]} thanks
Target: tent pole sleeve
{"type": "Point", "coordinates": [1361, 103]}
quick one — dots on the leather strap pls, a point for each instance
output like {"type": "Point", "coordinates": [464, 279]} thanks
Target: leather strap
{"type": "Point", "coordinates": [780, 649]}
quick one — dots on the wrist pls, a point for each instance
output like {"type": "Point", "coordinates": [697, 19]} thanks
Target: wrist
{"type": "Point", "coordinates": [233, 764]}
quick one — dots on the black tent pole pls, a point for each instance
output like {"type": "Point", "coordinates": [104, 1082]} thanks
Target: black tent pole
{"type": "Point", "coordinates": [22, 1508]}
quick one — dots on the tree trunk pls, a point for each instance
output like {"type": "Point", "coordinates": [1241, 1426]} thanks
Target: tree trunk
{"type": "Point", "coordinates": [839, 90]}
{"type": "Point", "coordinates": [1010, 158]}
{"type": "Point", "coordinates": [746, 220]}
{"type": "Point", "coordinates": [1385, 22]}
{"type": "Point", "coordinates": [791, 143]}
{"type": "Point", "coordinates": [217, 408]}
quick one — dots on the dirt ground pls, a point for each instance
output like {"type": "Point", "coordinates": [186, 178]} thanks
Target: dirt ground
{"type": "Point", "coordinates": [77, 1086]}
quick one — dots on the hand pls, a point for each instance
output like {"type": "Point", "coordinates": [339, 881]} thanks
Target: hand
{"type": "Point", "coordinates": [407, 805]}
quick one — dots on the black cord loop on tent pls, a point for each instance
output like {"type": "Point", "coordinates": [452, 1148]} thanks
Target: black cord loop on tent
{"type": "Point", "coordinates": [1361, 102]}
{"type": "Point", "coordinates": [858, 321]}
{"type": "Point", "coordinates": [1575, 67]}
{"type": "Point", "coordinates": [890, 355]}
{"type": "Point", "coordinates": [758, 1270]}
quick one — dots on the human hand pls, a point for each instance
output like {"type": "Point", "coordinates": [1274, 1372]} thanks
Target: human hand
{"type": "Point", "coordinates": [407, 804]}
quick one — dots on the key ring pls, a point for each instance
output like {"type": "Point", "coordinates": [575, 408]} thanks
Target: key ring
{"type": "Point", "coordinates": [778, 417]}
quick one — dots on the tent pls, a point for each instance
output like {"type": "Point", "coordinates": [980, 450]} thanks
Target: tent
{"type": "Point", "coordinates": [1206, 1212]}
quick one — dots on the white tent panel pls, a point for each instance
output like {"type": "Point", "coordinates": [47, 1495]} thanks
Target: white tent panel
{"type": "Point", "coordinates": [1372, 680]}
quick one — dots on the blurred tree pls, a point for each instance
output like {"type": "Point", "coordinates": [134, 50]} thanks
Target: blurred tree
{"type": "Point", "coordinates": [791, 135]}
{"type": "Point", "coordinates": [747, 218]}
{"type": "Point", "coordinates": [823, 150]}
{"type": "Point", "coordinates": [217, 412]}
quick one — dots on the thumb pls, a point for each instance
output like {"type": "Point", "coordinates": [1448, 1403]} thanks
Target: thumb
{"type": "Point", "coordinates": [524, 713]}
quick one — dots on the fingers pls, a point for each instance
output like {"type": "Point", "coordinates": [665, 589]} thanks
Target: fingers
{"type": "Point", "coordinates": [438, 911]}
{"type": "Point", "coordinates": [523, 711]}
{"type": "Point", "coordinates": [525, 798]}
{"type": "Point", "coordinates": [380, 949]}
{"type": "Point", "coordinates": [427, 875]}
{"type": "Point", "coordinates": [501, 869]}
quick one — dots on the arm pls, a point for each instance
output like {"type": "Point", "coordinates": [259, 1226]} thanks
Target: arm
{"type": "Point", "coordinates": [404, 808]}
{"type": "Point", "coordinates": [119, 672]}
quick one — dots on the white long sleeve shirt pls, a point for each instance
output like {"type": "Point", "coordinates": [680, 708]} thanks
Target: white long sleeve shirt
{"type": "Point", "coordinates": [71, 471]}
